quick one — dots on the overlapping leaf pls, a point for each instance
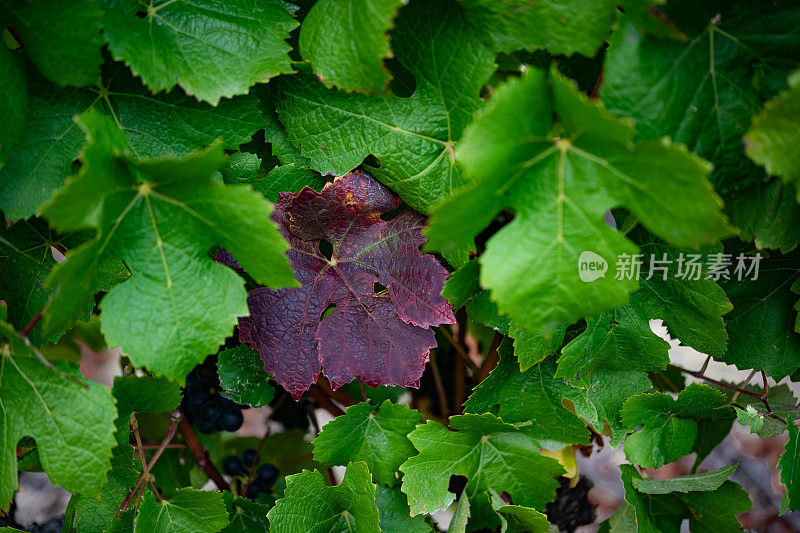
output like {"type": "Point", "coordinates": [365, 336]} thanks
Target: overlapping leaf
{"type": "Point", "coordinates": [310, 505]}
{"type": "Point", "coordinates": [763, 323]}
{"type": "Point", "coordinates": [532, 400]}
{"type": "Point", "coordinates": [243, 378]}
{"type": "Point", "coordinates": [210, 50]}
{"type": "Point", "coordinates": [488, 452]}
{"type": "Point", "coordinates": [703, 91]}
{"type": "Point", "coordinates": [377, 437]}
{"type": "Point", "coordinates": [562, 27]}
{"type": "Point", "coordinates": [13, 103]}
{"type": "Point", "coordinates": [559, 178]}
{"type": "Point", "coordinates": [708, 501]}
{"type": "Point", "coordinates": [375, 336]}
{"type": "Point", "coordinates": [413, 138]}
{"type": "Point", "coordinates": [161, 217]}
{"type": "Point", "coordinates": [789, 466]}
{"type": "Point", "coordinates": [773, 138]}
{"type": "Point", "coordinates": [346, 42]}
{"type": "Point", "coordinates": [70, 418]}
{"type": "Point", "coordinates": [201, 511]}
{"type": "Point", "coordinates": [669, 425]}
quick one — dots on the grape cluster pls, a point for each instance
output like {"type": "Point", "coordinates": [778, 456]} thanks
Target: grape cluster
{"type": "Point", "coordinates": [203, 403]}
{"type": "Point", "coordinates": [265, 475]}
{"type": "Point", "coordinates": [291, 414]}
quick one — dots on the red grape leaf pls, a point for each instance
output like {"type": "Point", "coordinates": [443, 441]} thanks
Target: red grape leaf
{"type": "Point", "coordinates": [381, 337]}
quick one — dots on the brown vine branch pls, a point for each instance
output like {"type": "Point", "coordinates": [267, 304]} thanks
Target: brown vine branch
{"type": "Point", "coordinates": [459, 348]}
{"type": "Point", "coordinates": [738, 390]}
{"type": "Point", "coordinates": [32, 324]}
{"type": "Point", "coordinates": [492, 358]}
{"type": "Point", "coordinates": [200, 455]}
{"type": "Point", "coordinates": [145, 476]}
{"type": "Point", "coordinates": [440, 392]}
{"type": "Point", "coordinates": [324, 401]}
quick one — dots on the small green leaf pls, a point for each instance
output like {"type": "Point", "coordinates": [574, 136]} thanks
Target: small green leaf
{"type": "Point", "coordinates": [311, 506]}
{"type": "Point", "coordinates": [346, 42]}
{"type": "Point", "coordinates": [773, 138]}
{"type": "Point", "coordinates": [243, 378]}
{"type": "Point", "coordinates": [711, 480]}
{"type": "Point", "coordinates": [750, 417]}
{"type": "Point", "coordinates": [199, 511]}
{"type": "Point", "coordinates": [518, 519]}
{"type": "Point", "coordinates": [377, 436]}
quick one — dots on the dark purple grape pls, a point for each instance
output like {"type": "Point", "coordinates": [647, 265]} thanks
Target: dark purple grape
{"type": "Point", "coordinates": [249, 457]}
{"type": "Point", "coordinates": [252, 492]}
{"type": "Point", "coordinates": [210, 412]}
{"type": "Point", "coordinates": [231, 420]}
{"type": "Point", "coordinates": [233, 466]}
{"type": "Point", "coordinates": [206, 426]}
{"type": "Point", "coordinates": [267, 474]}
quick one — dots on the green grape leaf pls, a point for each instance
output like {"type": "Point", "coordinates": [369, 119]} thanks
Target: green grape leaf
{"type": "Point", "coordinates": [488, 452]}
{"type": "Point", "coordinates": [702, 91]}
{"type": "Point", "coordinates": [142, 394]}
{"type": "Point", "coordinates": [707, 500]}
{"type": "Point", "coordinates": [789, 467]}
{"type": "Point", "coordinates": [62, 37]}
{"type": "Point", "coordinates": [531, 400]}
{"type": "Point", "coordinates": [91, 514]}
{"type": "Point", "coordinates": [562, 27]}
{"type": "Point", "coordinates": [377, 437]}
{"type": "Point", "coordinates": [199, 511]}
{"type": "Point", "coordinates": [243, 377]}
{"type": "Point", "coordinates": [768, 214]}
{"type": "Point", "coordinates": [750, 417]}
{"type": "Point", "coordinates": [413, 138]}
{"type": "Point", "coordinates": [669, 425]}
{"type": "Point", "coordinates": [71, 419]}
{"type": "Point", "coordinates": [773, 137]}
{"type": "Point", "coordinates": [559, 186]}
{"type": "Point", "coordinates": [311, 506]}
{"type": "Point", "coordinates": [711, 480]}
{"type": "Point", "coordinates": [518, 519]}
{"type": "Point", "coordinates": [156, 125]}
{"type": "Point", "coordinates": [607, 391]}
{"type": "Point", "coordinates": [346, 42]}
{"type": "Point", "coordinates": [161, 216]}
{"type": "Point", "coordinates": [692, 309]}
{"type": "Point", "coordinates": [245, 516]}
{"type": "Point", "coordinates": [615, 340]}
{"type": "Point", "coordinates": [14, 102]}
{"type": "Point", "coordinates": [190, 44]}
{"type": "Point", "coordinates": [394, 512]}
{"type": "Point", "coordinates": [762, 325]}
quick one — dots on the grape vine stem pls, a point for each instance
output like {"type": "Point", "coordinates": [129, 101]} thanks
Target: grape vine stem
{"type": "Point", "coordinates": [200, 455]}
{"type": "Point", "coordinates": [763, 396]}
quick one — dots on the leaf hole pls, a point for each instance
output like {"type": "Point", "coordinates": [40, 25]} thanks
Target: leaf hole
{"type": "Point", "coordinates": [377, 288]}
{"type": "Point", "coordinates": [141, 14]}
{"type": "Point", "coordinates": [372, 162]}
{"type": "Point", "coordinates": [326, 249]}
{"type": "Point", "coordinates": [328, 310]}
{"type": "Point", "coordinates": [456, 485]}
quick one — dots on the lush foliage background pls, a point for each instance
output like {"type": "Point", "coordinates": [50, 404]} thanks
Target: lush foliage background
{"type": "Point", "coordinates": [143, 147]}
